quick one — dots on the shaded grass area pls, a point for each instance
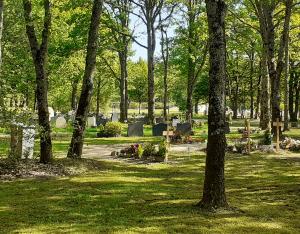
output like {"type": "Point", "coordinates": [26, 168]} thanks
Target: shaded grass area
{"type": "Point", "coordinates": [157, 198]}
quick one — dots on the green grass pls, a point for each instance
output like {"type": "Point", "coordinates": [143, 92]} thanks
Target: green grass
{"type": "Point", "coordinates": [156, 198]}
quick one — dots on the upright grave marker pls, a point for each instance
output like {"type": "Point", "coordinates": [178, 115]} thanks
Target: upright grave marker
{"type": "Point", "coordinates": [277, 124]}
{"type": "Point", "coordinates": [168, 133]}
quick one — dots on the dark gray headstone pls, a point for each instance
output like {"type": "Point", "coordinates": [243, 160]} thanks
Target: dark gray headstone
{"type": "Point", "coordinates": [101, 121]}
{"type": "Point", "coordinates": [158, 129]}
{"type": "Point", "coordinates": [159, 120]}
{"type": "Point", "coordinates": [135, 129]}
{"type": "Point", "coordinates": [227, 128]}
{"type": "Point", "coordinates": [184, 128]}
{"type": "Point", "coordinates": [144, 120]}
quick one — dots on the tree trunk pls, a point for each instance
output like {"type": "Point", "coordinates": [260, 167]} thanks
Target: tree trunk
{"type": "Point", "coordinates": [286, 77]}
{"type": "Point", "coordinates": [214, 184]}
{"type": "Point", "coordinates": [75, 149]}
{"type": "Point", "coordinates": [74, 95]}
{"type": "Point", "coordinates": [39, 54]}
{"type": "Point", "coordinates": [251, 84]}
{"type": "Point", "coordinates": [98, 97]}
{"type": "Point", "coordinates": [197, 107]}
{"type": "Point", "coordinates": [1, 28]}
{"type": "Point", "coordinates": [191, 63]}
{"type": "Point", "coordinates": [123, 104]}
{"type": "Point", "coordinates": [165, 58]}
{"type": "Point", "coordinates": [265, 94]}
{"type": "Point", "coordinates": [151, 48]}
{"type": "Point", "coordinates": [257, 110]}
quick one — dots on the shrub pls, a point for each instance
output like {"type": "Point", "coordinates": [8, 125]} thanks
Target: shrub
{"type": "Point", "coordinates": [162, 150]}
{"type": "Point", "coordinates": [267, 139]}
{"type": "Point", "coordinates": [111, 129]}
{"type": "Point", "coordinates": [140, 151]}
{"type": "Point", "coordinates": [149, 150]}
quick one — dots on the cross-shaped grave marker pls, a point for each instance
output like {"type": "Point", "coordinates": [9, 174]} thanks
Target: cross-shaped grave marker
{"type": "Point", "coordinates": [277, 124]}
{"type": "Point", "coordinates": [168, 133]}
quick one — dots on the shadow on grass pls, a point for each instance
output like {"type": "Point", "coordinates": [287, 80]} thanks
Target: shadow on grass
{"type": "Point", "coordinates": [156, 198]}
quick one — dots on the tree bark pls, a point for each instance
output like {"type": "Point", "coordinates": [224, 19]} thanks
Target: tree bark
{"type": "Point", "coordinates": [252, 57]}
{"type": "Point", "coordinates": [123, 78]}
{"type": "Point", "coordinates": [1, 29]}
{"type": "Point", "coordinates": [74, 95]}
{"type": "Point", "coordinates": [39, 55]}
{"type": "Point", "coordinates": [265, 11]}
{"type": "Point", "coordinates": [75, 149]}
{"type": "Point", "coordinates": [165, 58]}
{"type": "Point", "coordinates": [214, 184]}
{"type": "Point", "coordinates": [265, 94]}
{"type": "Point", "coordinates": [258, 101]}
{"type": "Point", "coordinates": [151, 42]}
{"type": "Point", "coordinates": [98, 97]}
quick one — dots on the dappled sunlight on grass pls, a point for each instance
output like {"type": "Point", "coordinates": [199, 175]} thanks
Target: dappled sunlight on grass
{"type": "Point", "coordinates": [122, 197]}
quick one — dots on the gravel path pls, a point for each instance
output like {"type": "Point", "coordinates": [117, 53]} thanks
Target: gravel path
{"type": "Point", "coordinates": [104, 151]}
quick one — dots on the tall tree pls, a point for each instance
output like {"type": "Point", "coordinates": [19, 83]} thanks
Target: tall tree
{"type": "Point", "coordinates": [265, 11]}
{"type": "Point", "coordinates": [39, 55]}
{"type": "Point", "coordinates": [75, 149]}
{"type": "Point", "coordinates": [214, 184]}
{"type": "Point", "coordinates": [165, 54]}
{"type": "Point", "coordinates": [1, 28]}
{"type": "Point", "coordinates": [119, 26]}
{"type": "Point", "coordinates": [149, 11]}
{"type": "Point", "coordinates": [195, 62]}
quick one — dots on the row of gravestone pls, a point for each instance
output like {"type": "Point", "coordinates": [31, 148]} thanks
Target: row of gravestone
{"type": "Point", "coordinates": [137, 129]}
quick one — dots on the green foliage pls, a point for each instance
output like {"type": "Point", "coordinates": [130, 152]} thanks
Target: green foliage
{"type": "Point", "coordinates": [149, 150]}
{"type": "Point", "coordinates": [111, 129]}
{"type": "Point", "coordinates": [267, 138]}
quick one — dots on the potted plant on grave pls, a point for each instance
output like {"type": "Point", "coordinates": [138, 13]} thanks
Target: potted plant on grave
{"type": "Point", "coordinates": [266, 142]}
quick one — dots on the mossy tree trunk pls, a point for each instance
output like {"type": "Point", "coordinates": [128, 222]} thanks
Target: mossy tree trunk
{"type": "Point", "coordinates": [39, 55]}
{"type": "Point", "coordinates": [214, 184]}
{"type": "Point", "coordinates": [75, 149]}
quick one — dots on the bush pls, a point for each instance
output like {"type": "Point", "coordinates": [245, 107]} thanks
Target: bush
{"type": "Point", "coordinates": [162, 150]}
{"type": "Point", "coordinates": [111, 129]}
{"type": "Point", "coordinates": [267, 139]}
{"type": "Point", "coordinates": [149, 150]}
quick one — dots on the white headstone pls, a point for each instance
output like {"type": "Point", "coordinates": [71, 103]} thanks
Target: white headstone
{"type": "Point", "coordinates": [61, 122]}
{"type": "Point", "coordinates": [28, 142]}
{"type": "Point", "coordinates": [115, 117]}
{"type": "Point", "coordinates": [175, 122]}
{"type": "Point", "coordinates": [91, 122]}
{"type": "Point", "coordinates": [51, 112]}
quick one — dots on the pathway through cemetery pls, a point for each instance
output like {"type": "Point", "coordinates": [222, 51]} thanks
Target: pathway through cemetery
{"type": "Point", "coordinates": [104, 151]}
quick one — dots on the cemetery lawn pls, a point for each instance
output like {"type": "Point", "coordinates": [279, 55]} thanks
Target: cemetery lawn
{"type": "Point", "coordinates": [122, 197]}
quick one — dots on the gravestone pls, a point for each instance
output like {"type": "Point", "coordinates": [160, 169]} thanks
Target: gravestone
{"type": "Point", "coordinates": [91, 122]}
{"type": "Point", "coordinates": [71, 115]}
{"type": "Point", "coordinates": [159, 120]}
{"type": "Point", "coordinates": [115, 117]}
{"type": "Point", "coordinates": [227, 128]}
{"type": "Point", "coordinates": [158, 129]}
{"type": "Point", "coordinates": [53, 120]}
{"type": "Point", "coordinates": [135, 129]}
{"type": "Point", "coordinates": [22, 138]}
{"type": "Point", "coordinates": [175, 122]}
{"type": "Point", "coordinates": [28, 142]}
{"type": "Point", "coordinates": [101, 121]}
{"type": "Point", "coordinates": [184, 128]}
{"type": "Point", "coordinates": [51, 112]}
{"type": "Point", "coordinates": [61, 122]}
